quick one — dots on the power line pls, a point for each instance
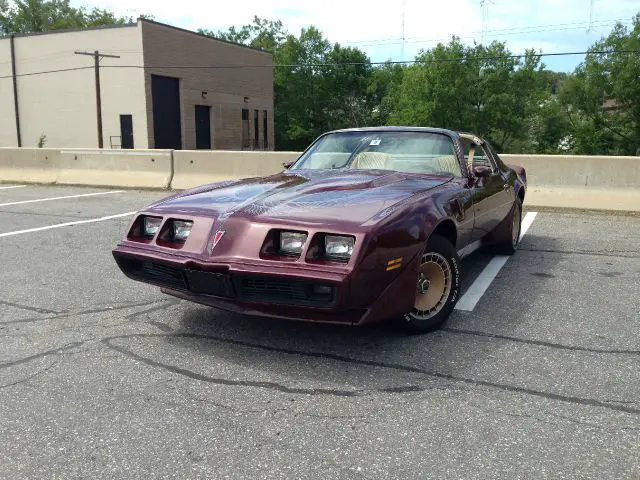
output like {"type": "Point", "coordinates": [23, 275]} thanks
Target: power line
{"type": "Point", "coordinates": [497, 34]}
{"type": "Point", "coordinates": [343, 64]}
{"type": "Point", "coordinates": [519, 30]}
{"type": "Point", "coordinates": [48, 71]}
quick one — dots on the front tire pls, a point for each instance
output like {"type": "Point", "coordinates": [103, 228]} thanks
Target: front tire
{"type": "Point", "coordinates": [437, 287]}
{"type": "Point", "coordinates": [510, 238]}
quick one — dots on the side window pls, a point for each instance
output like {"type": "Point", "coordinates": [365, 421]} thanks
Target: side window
{"type": "Point", "coordinates": [496, 158]}
{"type": "Point", "coordinates": [480, 156]}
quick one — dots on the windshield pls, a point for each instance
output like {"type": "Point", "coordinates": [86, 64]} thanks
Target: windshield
{"type": "Point", "coordinates": [411, 152]}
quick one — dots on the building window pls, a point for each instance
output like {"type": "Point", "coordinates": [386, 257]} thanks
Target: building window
{"type": "Point", "coordinates": [245, 128]}
{"type": "Point", "coordinates": [256, 128]}
{"type": "Point", "coordinates": [265, 129]}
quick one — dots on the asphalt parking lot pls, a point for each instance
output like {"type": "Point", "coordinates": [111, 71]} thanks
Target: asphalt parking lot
{"type": "Point", "coordinates": [103, 377]}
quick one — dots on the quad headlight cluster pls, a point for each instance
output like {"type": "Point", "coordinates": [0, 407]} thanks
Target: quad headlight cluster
{"type": "Point", "coordinates": [330, 247]}
{"type": "Point", "coordinates": [176, 230]}
{"type": "Point", "coordinates": [286, 243]}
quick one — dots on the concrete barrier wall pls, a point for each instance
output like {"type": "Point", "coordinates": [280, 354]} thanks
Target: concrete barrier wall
{"type": "Point", "coordinates": [118, 168]}
{"type": "Point", "coordinates": [590, 182]}
{"type": "Point", "coordinates": [29, 165]}
{"type": "Point", "coordinates": [122, 168]}
{"type": "Point", "coordinates": [579, 170]}
{"type": "Point", "coordinates": [193, 168]}
{"type": "Point", "coordinates": [582, 182]}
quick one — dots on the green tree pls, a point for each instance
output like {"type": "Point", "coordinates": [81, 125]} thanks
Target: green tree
{"type": "Point", "coordinates": [484, 89]}
{"type": "Point", "coordinates": [382, 90]}
{"type": "Point", "coordinates": [317, 86]}
{"type": "Point", "coordinates": [266, 34]}
{"type": "Point", "coordinates": [345, 82]}
{"type": "Point", "coordinates": [514, 101]}
{"type": "Point", "coordinates": [602, 97]}
{"type": "Point", "coordinates": [300, 95]}
{"type": "Point", "coordinates": [27, 16]}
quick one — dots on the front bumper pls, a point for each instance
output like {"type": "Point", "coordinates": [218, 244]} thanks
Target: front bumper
{"type": "Point", "coordinates": [260, 289]}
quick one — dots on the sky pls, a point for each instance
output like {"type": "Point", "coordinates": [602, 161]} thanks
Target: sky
{"type": "Point", "coordinates": [376, 26]}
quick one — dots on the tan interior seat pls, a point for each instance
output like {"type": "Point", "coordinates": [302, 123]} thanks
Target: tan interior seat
{"type": "Point", "coordinates": [449, 163]}
{"type": "Point", "coordinates": [472, 151]}
{"type": "Point", "coordinates": [371, 160]}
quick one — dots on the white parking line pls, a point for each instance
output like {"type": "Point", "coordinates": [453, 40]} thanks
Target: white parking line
{"type": "Point", "coordinates": [67, 224]}
{"type": "Point", "coordinates": [60, 198]}
{"type": "Point", "coordinates": [473, 295]}
{"type": "Point", "coordinates": [12, 186]}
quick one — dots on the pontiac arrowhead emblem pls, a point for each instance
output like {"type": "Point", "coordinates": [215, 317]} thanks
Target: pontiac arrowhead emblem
{"type": "Point", "coordinates": [217, 238]}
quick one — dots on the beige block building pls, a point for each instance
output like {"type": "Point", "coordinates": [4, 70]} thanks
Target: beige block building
{"type": "Point", "coordinates": [169, 88]}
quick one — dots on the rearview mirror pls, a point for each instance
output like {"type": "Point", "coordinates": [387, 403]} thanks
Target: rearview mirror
{"type": "Point", "coordinates": [481, 171]}
{"type": "Point", "coordinates": [288, 164]}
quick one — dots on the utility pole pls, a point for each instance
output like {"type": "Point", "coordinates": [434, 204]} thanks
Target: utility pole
{"type": "Point", "coordinates": [485, 18]}
{"type": "Point", "coordinates": [403, 37]}
{"type": "Point", "coordinates": [96, 58]}
{"type": "Point", "coordinates": [590, 17]}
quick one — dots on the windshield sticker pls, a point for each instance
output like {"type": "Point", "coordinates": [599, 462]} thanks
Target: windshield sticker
{"type": "Point", "coordinates": [375, 141]}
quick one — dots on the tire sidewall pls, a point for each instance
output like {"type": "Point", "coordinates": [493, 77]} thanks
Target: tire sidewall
{"type": "Point", "coordinates": [517, 210]}
{"type": "Point", "coordinates": [442, 246]}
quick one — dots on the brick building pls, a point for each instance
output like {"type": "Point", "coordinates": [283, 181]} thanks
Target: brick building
{"type": "Point", "coordinates": [160, 93]}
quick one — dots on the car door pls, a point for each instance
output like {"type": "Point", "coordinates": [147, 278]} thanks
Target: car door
{"type": "Point", "coordinates": [492, 196]}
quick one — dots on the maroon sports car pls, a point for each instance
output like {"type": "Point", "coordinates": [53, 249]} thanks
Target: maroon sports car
{"type": "Point", "coordinates": [367, 225]}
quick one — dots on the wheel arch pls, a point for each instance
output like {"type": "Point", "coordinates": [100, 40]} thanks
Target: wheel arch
{"type": "Point", "coordinates": [446, 228]}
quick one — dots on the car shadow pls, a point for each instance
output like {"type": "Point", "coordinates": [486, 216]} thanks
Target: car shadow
{"type": "Point", "coordinates": [349, 356]}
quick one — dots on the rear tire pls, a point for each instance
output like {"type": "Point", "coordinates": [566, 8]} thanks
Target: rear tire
{"type": "Point", "coordinates": [437, 287]}
{"type": "Point", "coordinates": [509, 241]}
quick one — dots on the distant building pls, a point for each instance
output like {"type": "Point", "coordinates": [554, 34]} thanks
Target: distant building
{"type": "Point", "coordinates": [610, 104]}
{"type": "Point", "coordinates": [160, 93]}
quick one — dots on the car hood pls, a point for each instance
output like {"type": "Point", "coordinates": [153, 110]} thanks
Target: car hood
{"type": "Point", "coordinates": [302, 196]}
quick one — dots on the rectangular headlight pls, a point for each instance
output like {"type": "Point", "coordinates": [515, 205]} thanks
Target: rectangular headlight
{"type": "Point", "coordinates": [181, 230]}
{"type": "Point", "coordinates": [291, 243]}
{"type": "Point", "coordinates": [151, 225]}
{"type": "Point", "coordinates": [338, 247]}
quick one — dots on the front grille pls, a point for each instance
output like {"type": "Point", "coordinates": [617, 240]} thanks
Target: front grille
{"type": "Point", "coordinates": [248, 288]}
{"type": "Point", "coordinates": [283, 291]}
{"type": "Point", "coordinates": [158, 273]}
{"type": "Point", "coordinates": [209, 283]}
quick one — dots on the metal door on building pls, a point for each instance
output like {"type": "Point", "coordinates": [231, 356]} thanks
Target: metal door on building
{"type": "Point", "coordinates": [126, 131]}
{"type": "Point", "coordinates": [203, 127]}
{"type": "Point", "coordinates": [167, 120]}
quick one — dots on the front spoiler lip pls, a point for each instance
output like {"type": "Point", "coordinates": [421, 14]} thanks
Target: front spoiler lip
{"type": "Point", "coordinates": [258, 309]}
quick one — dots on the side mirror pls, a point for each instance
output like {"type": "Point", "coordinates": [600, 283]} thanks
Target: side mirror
{"type": "Point", "coordinates": [288, 164]}
{"type": "Point", "coordinates": [481, 171]}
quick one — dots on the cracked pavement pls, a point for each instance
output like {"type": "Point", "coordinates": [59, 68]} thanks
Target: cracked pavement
{"type": "Point", "coordinates": [102, 377]}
